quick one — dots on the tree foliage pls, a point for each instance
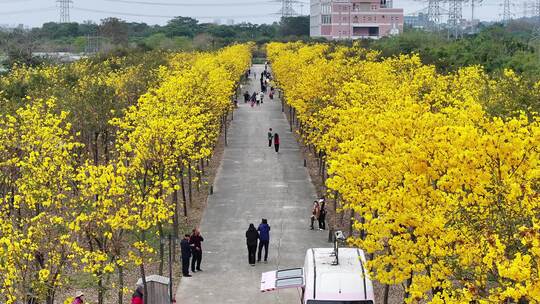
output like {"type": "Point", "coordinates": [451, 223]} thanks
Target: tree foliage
{"type": "Point", "coordinates": [444, 195]}
{"type": "Point", "coordinates": [90, 154]}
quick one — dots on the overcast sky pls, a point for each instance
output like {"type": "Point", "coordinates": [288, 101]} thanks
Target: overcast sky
{"type": "Point", "coordinates": [36, 12]}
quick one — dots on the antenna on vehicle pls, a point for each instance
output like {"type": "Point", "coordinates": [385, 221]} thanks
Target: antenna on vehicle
{"type": "Point", "coordinates": [338, 237]}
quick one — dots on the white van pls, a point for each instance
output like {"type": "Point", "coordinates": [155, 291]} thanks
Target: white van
{"type": "Point", "coordinates": [329, 276]}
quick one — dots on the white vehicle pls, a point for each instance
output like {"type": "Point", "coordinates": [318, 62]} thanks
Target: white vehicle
{"type": "Point", "coordinates": [329, 276]}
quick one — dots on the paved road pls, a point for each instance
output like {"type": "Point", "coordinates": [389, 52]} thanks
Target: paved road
{"type": "Point", "coordinates": [254, 182]}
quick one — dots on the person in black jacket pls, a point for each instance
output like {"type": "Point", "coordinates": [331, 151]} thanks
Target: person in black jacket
{"type": "Point", "coordinates": [195, 240]}
{"type": "Point", "coordinates": [252, 237]}
{"type": "Point", "coordinates": [186, 255]}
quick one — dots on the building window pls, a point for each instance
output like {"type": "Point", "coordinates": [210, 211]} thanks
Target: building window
{"type": "Point", "coordinates": [326, 9]}
{"type": "Point", "coordinates": [364, 7]}
{"type": "Point", "coordinates": [326, 19]}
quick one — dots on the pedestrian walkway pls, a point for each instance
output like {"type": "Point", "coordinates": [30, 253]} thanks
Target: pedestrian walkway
{"type": "Point", "coordinates": [254, 182]}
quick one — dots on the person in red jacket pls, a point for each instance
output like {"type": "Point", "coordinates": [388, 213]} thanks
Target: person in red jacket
{"type": "Point", "coordinates": [276, 142]}
{"type": "Point", "coordinates": [137, 297]}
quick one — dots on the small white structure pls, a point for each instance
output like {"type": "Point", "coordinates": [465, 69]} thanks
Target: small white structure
{"type": "Point", "coordinates": [158, 289]}
{"type": "Point", "coordinates": [326, 278]}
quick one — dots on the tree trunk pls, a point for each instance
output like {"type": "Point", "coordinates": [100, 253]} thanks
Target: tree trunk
{"type": "Point", "coordinates": [183, 191]}
{"type": "Point", "coordinates": [161, 249]}
{"type": "Point", "coordinates": [386, 292]}
{"type": "Point", "coordinates": [96, 149]}
{"type": "Point", "coordinates": [120, 284]}
{"type": "Point", "coordinates": [199, 178]}
{"type": "Point", "coordinates": [143, 272]}
{"type": "Point", "coordinates": [106, 146]}
{"type": "Point", "coordinates": [176, 226]}
{"type": "Point", "coordinates": [351, 222]}
{"type": "Point", "coordinates": [202, 166]}
{"type": "Point", "coordinates": [189, 185]}
{"type": "Point", "coordinates": [100, 288]}
{"type": "Point", "coordinates": [407, 286]}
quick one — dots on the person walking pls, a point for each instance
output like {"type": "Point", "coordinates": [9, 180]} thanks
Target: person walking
{"type": "Point", "coordinates": [246, 97]}
{"type": "Point", "coordinates": [270, 137]}
{"type": "Point", "coordinates": [264, 239]}
{"type": "Point", "coordinates": [252, 237]}
{"type": "Point", "coordinates": [78, 298]}
{"type": "Point", "coordinates": [138, 295]}
{"type": "Point", "coordinates": [186, 255]}
{"type": "Point", "coordinates": [261, 96]}
{"type": "Point", "coordinates": [258, 99]}
{"type": "Point", "coordinates": [314, 213]}
{"type": "Point", "coordinates": [253, 98]}
{"type": "Point", "coordinates": [276, 142]}
{"type": "Point", "coordinates": [195, 241]}
{"type": "Point", "coordinates": [322, 215]}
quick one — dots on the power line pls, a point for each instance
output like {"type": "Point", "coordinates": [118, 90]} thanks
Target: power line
{"type": "Point", "coordinates": [27, 11]}
{"type": "Point", "coordinates": [161, 16]}
{"type": "Point", "coordinates": [184, 4]}
{"type": "Point", "coordinates": [13, 1]}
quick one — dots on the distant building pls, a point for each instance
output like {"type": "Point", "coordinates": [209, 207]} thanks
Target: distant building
{"type": "Point", "coordinates": [217, 21]}
{"type": "Point", "coordinates": [354, 19]}
{"type": "Point", "coordinates": [230, 21]}
{"type": "Point", "coordinates": [419, 21]}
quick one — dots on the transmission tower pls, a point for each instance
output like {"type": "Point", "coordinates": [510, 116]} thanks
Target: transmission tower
{"type": "Point", "coordinates": [64, 6]}
{"type": "Point", "coordinates": [507, 13]}
{"type": "Point", "coordinates": [474, 5]}
{"type": "Point", "coordinates": [455, 14]}
{"type": "Point", "coordinates": [287, 9]}
{"type": "Point", "coordinates": [434, 13]}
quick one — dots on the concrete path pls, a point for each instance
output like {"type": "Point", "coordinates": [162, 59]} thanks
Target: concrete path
{"type": "Point", "coordinates": [254, 182]}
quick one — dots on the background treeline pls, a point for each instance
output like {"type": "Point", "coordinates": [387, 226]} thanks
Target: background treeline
{"type": "Point", "coordinates": [495, 47]}
{"type": "Point", "coordinates": [179, 33]}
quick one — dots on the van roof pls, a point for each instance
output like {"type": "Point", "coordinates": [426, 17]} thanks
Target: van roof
{"type": "Point", "coordinates": [347, 281]}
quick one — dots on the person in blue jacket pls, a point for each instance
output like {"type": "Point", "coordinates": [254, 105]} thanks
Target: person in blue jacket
{"type": "Point", "coordinates": [264, 240]}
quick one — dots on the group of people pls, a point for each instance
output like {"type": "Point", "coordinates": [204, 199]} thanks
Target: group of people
{"type": "Point", "coordinates": [255, 98]}
{"type": "Point", "coordinates": [318, 212]}
{"type": "Point", "coordinates": [266, 79]}
{"type": "Point", "coordinates": [191, 249]}
{"type": "Point", "coordinates": [275, 138]}
{"type": "Point", "coordinates": [258, 238]}
{"type": "Point", "coordinates": [136, 298]}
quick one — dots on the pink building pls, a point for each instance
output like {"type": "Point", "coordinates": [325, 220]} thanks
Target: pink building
{"type": "Point", "coordinates": [354, 19]}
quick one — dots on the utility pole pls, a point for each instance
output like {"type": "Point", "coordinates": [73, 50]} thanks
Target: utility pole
{"type": "Point", "coordinates": [64, 6]}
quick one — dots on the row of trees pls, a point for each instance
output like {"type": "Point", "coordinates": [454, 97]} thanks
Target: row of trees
{"type": "Point", "coordinates": [443, 193]}
{"type": "Point", "coordinates": [180, 33]}
{"type": "Point", "coordinates": [97, 158]}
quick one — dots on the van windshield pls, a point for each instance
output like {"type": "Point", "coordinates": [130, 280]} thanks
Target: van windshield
{"type": "Point", "coordinates": [338, 302]}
